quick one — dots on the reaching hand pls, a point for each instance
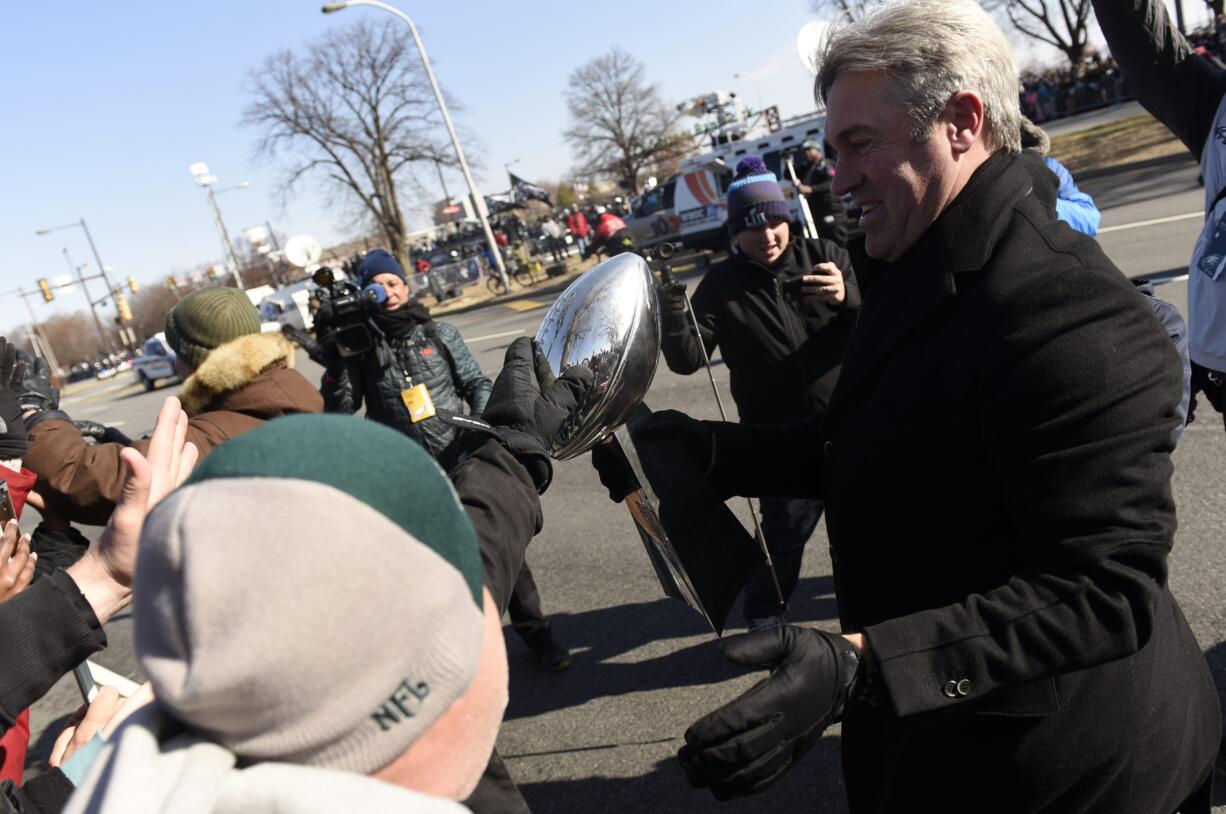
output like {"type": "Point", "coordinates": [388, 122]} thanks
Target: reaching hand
{"type": "Point", "coordinates": [170, 460]}
{"type": "Point", "coordinates": [37, 393]}
{"type": "Point", "coordinates": [12, 428]}
{"type": "Point", "coordinates": [101, 716]}
{"type": "Point", "coordinates": [695, 437]}
{"type": "Point", "coordinates": [529, 407]}
{"type": "Point", "coordinates": [16, 561]}
{"type": "Point", "coordinates": [744, 746]}
{"type": "Point", "coordinates": [671, 297]}
{"type": "Point", "coordinates": [610, 463]}
{"type": "Point", "coordinates": [109, 563]}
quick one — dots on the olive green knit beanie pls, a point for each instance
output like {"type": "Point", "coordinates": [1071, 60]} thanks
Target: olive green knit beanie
{"type": "Point", "coordinates": [208, 318]}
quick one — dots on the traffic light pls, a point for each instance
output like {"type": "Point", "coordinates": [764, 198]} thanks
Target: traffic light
{"type": "Point", "coordinates": [121, 305]}
{"type": "Point", "coordinates": [45, 287]}
{"type": "Point", "coordinates": [170, 282]}
{"type": "Point", "coordinates": [211, 272]}
{"type": "Point", "coordinates": [132, 286]}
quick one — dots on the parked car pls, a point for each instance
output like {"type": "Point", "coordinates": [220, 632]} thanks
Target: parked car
{"type": "Point", "coordinates": [157, 361]}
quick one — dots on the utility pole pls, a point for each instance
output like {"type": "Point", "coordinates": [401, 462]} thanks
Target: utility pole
{"type": "Point", "coordinates": [93, 306]}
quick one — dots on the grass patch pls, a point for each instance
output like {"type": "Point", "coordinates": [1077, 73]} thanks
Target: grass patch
{"type": "Point", "coordinates": [1137, 138]}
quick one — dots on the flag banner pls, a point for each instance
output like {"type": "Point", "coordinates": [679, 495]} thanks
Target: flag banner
{"type": "Point", "coordinates": [496, 206]}
{"type": "Point", "coordinates": [521, 190]}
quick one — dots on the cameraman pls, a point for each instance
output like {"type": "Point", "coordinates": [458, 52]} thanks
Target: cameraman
{"type": "Point", "coordinates": [416, 367]}
{"type": "Point", "coordinates": [781, 310]}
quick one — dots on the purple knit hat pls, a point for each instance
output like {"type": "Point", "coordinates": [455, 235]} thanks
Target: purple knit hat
{"type": "Point", "coordinates": [755, 197]}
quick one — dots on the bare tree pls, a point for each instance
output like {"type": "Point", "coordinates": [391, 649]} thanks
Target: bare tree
{"type": "Point", "coordinates": [1063, 24]}
{"type": "Point", "coordinates": [619, 125]}
{"type": "Point", "coordinates": [74, 337]}
{"type": "Point", "coordinates": [841, 9]}
{"type": "Point", "coordinates": [358, 111]}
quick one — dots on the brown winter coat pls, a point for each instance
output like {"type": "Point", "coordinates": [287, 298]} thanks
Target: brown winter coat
{"type": "Point", "coordinates": [241, 384]}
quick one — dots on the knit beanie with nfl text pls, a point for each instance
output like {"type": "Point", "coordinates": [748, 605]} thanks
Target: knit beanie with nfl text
{"type": "Point", "coordinates": [311, 595]}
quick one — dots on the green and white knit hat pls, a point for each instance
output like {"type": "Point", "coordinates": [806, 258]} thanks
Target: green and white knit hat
{"type": "Point", "coordinates": [311, 595]}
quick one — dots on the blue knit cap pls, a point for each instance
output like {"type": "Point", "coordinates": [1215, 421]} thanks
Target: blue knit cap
{"type": "Point", "coordinates": [376, 262]}
{"type": "Point", "coordinates": [755, 197]}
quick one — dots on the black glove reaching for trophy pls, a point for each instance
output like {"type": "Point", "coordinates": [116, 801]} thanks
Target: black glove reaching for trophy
{"type": "Point", "coordinates": [13, 443]}
{"type": "Point", "coordinates": [672, 298]}
{"type": "Point", "coordinates": [528, 407]}
{"type": "Point", "coordinates": [696, 439]}
{"type": "Point", "coordinates": [744, 746]}
{"type": "Point", "coordinates": [39, 399]}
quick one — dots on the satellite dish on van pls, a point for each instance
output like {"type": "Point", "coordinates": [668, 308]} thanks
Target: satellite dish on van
{"type": "Point", "coordinates": [303, 250]}
{"type": "Point", "coordinates": [808, 40]}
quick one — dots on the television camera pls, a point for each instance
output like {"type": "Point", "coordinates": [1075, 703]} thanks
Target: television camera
{"type": "Point", "coordinates": [345, 315]}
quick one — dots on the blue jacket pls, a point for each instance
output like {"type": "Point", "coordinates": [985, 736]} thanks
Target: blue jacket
{"type": "Point", "coordinates": [1073, 206]}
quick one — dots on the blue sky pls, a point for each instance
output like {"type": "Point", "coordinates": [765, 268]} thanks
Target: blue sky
{"type": "Point", "coordinates": [107, 103]}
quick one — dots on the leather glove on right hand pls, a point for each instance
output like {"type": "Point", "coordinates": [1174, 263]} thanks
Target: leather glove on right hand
{"type": "Point", "coordinates": [39, 400]}
{"type": "Point", "coordinates": [13, 442]}
{"type": "Point", "coordinates": [696, 438]}
{"type": "Point", "coordinates": [744, 746]}
{"type": "Point", "coordinates": [528, 407]}
{"type": "Point", "coordinates": [614, 470]}
{"type": "Point", "coordinates": [672, 299]}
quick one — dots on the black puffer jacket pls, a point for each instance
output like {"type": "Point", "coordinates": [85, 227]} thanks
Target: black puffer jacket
{"type": "Point", "coordinates": [433, 354]}
{"type": "Point", "coordinates": [783, 354]}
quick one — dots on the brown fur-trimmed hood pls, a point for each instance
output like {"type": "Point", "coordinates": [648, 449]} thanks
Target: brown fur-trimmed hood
{"type": "Point", "coordinates": [234, 366]}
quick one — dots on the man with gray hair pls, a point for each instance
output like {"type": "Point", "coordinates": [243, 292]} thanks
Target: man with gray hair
{"type": "Point", "coordinates": [995, 462]}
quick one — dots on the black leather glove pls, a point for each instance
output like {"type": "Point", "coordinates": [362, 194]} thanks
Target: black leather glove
{"type": "Point", "coordinates": [528, 408]}
{"type": "Point", "coordinates": [672, 298]}
{"type": "Point", "coordinates": [36, 390]}
{"type": "Point", "coordinates": [100, 433]}
{"type": "Point", "coordinates": [37, 394]}
{"type": "Point", "coordinates": [695, 437]}
{"type": "Point", "coordinates": [744, 746]}
{"type": "Point", "coordinates": [12, 428]}
{"type": "Point", "coordinates": [327, 353]}
{"type": "Point", "coordinates": [614, 470]}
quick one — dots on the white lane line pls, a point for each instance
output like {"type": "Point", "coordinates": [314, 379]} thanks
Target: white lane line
{"type": "Point", "coordinates": [493, 336]}
{"type": "Point", "coordinates": [1153, 222]}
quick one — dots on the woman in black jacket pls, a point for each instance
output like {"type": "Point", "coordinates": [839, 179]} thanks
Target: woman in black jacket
{"type": "Point", "coordinates": [781, 311]}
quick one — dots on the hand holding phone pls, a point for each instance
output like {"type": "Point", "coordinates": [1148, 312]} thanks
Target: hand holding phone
{"type": "Point", "coordinates": [16, 561]}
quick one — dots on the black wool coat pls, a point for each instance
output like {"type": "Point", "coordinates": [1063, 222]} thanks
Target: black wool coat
{"type": "Point", "coordinates": [783, 353]}
{"type": "Point", "coordinates": [995, 462]}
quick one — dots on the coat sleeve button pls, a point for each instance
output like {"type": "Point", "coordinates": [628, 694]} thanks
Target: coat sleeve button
{"type": "Point", "coordinates": [950, 689]}
{"type": "Point", "coordinates": [963, 687]}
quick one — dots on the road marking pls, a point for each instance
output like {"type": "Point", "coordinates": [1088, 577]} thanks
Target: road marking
{"type": "Point", "coordinates": [525, 305]}
{"type": "Point", "coordinates": [494, 336]}
{"type": "Point", "coordinates": [1153, 222]}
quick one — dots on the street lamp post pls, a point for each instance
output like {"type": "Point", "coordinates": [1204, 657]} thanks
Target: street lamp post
{"type": "Point", "coordinates": [101, 269]}
{"type": "Point", "coordinates": [200, 171]}
{"type": "Point", "coordinates": [93, 306]}
{"type": "Point", "coordinates": [478, 201]}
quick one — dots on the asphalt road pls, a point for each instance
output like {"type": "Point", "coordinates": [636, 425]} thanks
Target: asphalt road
{"type": "Point", "coordinates": [602, 736]}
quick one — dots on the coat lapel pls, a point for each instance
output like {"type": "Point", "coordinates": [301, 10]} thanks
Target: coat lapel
{"type": "Point", "coordinates": [899, 296]}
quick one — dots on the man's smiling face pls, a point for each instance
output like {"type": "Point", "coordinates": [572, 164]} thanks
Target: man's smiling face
{"type": "Point", "coordinates": [901, 186]}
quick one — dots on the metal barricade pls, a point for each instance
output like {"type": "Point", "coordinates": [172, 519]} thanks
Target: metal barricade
{"type": "Point", "coordinates": [444, 278]}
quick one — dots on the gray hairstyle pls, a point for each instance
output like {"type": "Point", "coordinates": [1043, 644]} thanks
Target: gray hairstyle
{"type": "Point", "coordinates": [928, 50]}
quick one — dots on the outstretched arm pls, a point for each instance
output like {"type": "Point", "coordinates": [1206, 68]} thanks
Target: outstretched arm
{"type": "Point", "coordinates": [1179, 87]}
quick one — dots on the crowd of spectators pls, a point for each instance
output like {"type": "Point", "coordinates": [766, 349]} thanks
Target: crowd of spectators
{"type": "Point", "coordinates": [1096, 81]}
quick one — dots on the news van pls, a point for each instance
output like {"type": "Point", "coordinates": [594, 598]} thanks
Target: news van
{"type": "Point", "coordinates": [692, 206]}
